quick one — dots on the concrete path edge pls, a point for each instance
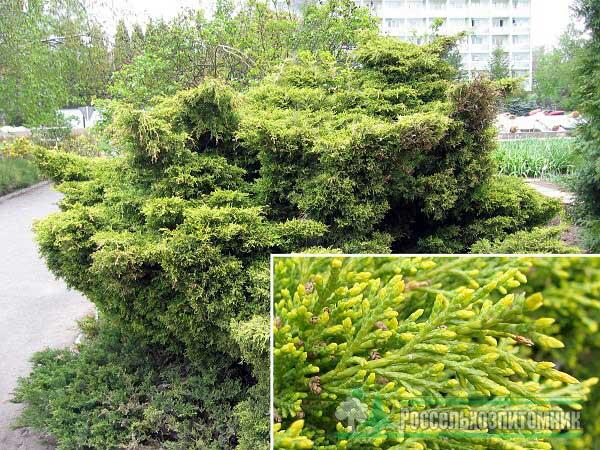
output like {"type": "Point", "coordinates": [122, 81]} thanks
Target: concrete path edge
{"type": "Point", "coordinates": [19, 192]}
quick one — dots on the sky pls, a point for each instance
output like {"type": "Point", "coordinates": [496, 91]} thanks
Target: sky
{"type": "Point", "coordinates": [549, 17]}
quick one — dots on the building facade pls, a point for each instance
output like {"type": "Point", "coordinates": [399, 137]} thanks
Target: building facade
{"type": "Point", "coordinates": [489, 24]}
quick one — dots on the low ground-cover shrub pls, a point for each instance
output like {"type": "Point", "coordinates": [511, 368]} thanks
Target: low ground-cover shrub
{"type": "Point", "coordinates": [171, 240]}
{"type": "Point", "coordinates": [114, 392]}
{"type": "Point", "coordinates": [17, 173]}
{"type": "Point", "coordinates": [360, 343]}
{"type": "Point", "coordinates": [537, 158]}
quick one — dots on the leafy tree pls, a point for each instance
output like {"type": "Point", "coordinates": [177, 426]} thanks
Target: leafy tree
{"type": "Point", "coordinates": [332, 26]}
{"type": "Point", "coordinates": [238, 44]}
{"type": "Point", "coordinates": [122, 51]}
{"type": "Point", "coordinates": [51, 55]}
{"type": "Point", "coordinates": [455, 59]}
{"type": "Point", "coordinates": [555, 78]}
{"type": "Point", "coordinates": [137, 39]}
{"type": "Point", "coordinates": [85, 59]}
{"type": "Point", "coordinates": [499, 65]}
{"type": "Point", "coordinates": [588, 94]}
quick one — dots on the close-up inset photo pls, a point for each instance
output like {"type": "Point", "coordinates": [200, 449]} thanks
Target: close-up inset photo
{"type": "Point", "coordinates": [460, 352]}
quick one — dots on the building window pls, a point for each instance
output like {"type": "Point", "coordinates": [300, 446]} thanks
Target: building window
{"type": "Point", "coordinates": [499, 22]}
{"type": "Point", "coordinates": [438, 4]}
{"type": "Point", "coordinates": [499, 41]}
{"type": "Point", "coordinates": [417, 24]}
{"type": "Point", "coordinates": [521, 40]}
{"type": "Point", "coordinates": [416, 4]}
{"type": "Point", "coordinates": [479, 40]}
{"type": "Point", "coordinates": [458, 3]}
{"type": "Point", "coordinates": [521, 3]}
{"type": "Point", "coordinates": [394, 3]}
{"type": "Point", "coordinates": [481, 25]}
{"type": "Point", "coordinates": [521, 73]}
{"type": "Point", "coordinates": [375, 5]}
{"type": "Point", "coordinates": [459, 24]}
{"type": "Point", "coordinates": [479, 57]}
{"type": "Point", "coordinates": [520, 22]}
{"type": "Point", "coordinates": [419, 40]}
{"type": "Point", "coordinates": [521, 57]}
{"type": "Point", "coordinates": [394, 23]}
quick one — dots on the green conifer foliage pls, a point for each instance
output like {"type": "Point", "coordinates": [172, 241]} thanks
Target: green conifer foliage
{"type": "Point", "coordinates": [588, 94]}
{"type": "Point", "coordinates": [571, 290]}
{"type": "Point", "coordinates": [171, 239]}
{"type": "Point", "coordinates": [389, 334]}
{"type": "Point", "coordinates": [385, 149]}
{"type": "Point", "coordinates": [168, 243]}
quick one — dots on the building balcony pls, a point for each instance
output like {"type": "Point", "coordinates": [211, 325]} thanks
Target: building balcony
{"type": "Point", "coordinates": [480, 30]}
{"type": "Point", "coordinates": [500, 5]}
{"type": "Point", "coordinates": [409, 13]}
{"type": "Point", "coordinates": [437, 7]}
{"type": "Point", "coordinates": [520, 46]}
{"type": "Point", "coordinates": [479, 48]}
{"type": "Point", "coordinates": [521, 11]}
{"type": "Point", "coordinates": [457, 12]}
{"type": "Point", "coordinates": [500, 30]}
{"type": "Point", "coordinates": [394, 32]}
{"type": "Point", "coordinates": [521, 29]}
{"type": "Point", "coordinates": [479, 11]}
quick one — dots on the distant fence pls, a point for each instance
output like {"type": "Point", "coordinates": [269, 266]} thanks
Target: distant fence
{"type": "Point", "coordinates": [43, 134]}
{"type": "Point", "coordinates": [534, 135]}
{"type": "Point", "coordinates": [82, 131]}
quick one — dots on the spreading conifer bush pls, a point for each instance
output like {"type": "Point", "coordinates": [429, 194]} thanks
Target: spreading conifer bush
{"type": "Point", "coordinates": [358, 341]}
{"type": "Point", "coordinates": [171, 239]}
{"type": "Point", "coordinates": [588, 95]}
{"type": "Point", "coordinates": [387, 151]}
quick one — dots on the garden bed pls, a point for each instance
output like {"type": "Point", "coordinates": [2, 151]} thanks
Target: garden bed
{"type": "Point", "coordinates": [17, 173]}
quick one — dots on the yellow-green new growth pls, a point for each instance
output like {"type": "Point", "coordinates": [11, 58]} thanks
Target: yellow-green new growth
{"type": "Point", "coordinates": [410, 334]}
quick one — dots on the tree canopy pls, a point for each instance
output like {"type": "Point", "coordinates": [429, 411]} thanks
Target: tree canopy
{"type": "Point", "coordinates": [499, 65]}
{"type": "Point", "coordinates": [52, 55]}
{"type": "Point", "coordinates": [556, 73]}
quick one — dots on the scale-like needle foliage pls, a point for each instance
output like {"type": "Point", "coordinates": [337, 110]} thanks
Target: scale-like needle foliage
{"type": "Point", "coordinates": [397, 334]}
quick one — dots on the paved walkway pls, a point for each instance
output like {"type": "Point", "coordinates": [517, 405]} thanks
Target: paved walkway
{"type": "Point", "coordinates": [36, 310]}
{"type": "Point", "coordinates": [551, 190]}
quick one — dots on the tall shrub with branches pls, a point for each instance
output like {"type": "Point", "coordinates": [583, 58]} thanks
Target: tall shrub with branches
{"type": "Point", "coordinates": [171, 240]}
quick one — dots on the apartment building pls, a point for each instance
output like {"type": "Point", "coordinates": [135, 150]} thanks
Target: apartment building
{"type": "Point", "coordinates": [489, 24]}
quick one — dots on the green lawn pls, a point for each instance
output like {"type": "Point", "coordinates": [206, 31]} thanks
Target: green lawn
{"type": "Point", "coordinates": [538, 158]}
{"type": "Point", "coordinates": [16, 173]}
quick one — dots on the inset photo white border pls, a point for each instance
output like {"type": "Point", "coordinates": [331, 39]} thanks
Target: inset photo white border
{"type": "Point", "coordinates": [275, 256]}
